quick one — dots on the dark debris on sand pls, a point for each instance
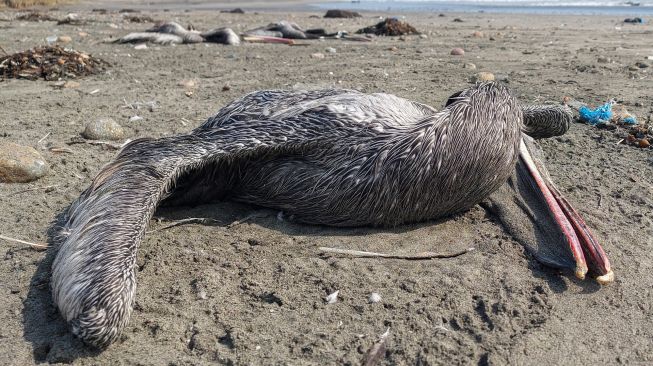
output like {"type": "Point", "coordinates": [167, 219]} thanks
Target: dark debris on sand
{"type": "Point", "coordinates": [389, 27]}
{"type": "Point", "coordinates": [139, 19]}
{"type": "Point", "coordinates": [36, 16]}
{"type": "Point", "coordinates": [640, 136]}
{"type": "Point", "coordinates": [337, 13]}
{"type": "Point", "coordinates": [234, 11]}
{"type": "Point", "coordinates": [49, 63]}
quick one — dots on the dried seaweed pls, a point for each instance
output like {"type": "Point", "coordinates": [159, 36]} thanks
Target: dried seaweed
{"type": "Point", "coordinates": [139, 19]}
{"type": "Point", "coordinates": [50, 63]}
{"type": "Point", "coordinates": [337, 13]}
{"type": "Point", "coordinates": [389, 27]}
{"type": "Point", "coordinates": [36, 16]}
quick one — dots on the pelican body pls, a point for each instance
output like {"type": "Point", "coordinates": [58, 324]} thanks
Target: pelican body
{"type": "Point", "coordinates": [330, 157]}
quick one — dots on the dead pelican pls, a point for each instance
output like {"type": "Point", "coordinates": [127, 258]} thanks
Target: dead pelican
{"type": "Point", "coordinates": [332, 157]}
{"type": "Point", "coordinates": [174, 33]}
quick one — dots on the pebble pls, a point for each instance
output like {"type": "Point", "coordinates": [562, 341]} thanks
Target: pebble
{"type": "Point", "coordinates": [226, 87]}
{"type": "Point", "coordinates": [603, 60]}
{"type": "Point", "coordinates": [478, 34]}
{"type": "Point", "coordinates": [374, 298]}
{"type": "Point", "coordinates": [644, 143]}
{"type": "Point", "coordinates": [317, 55]}
{"type": "Point", "coordinates": [82, 34]}
{"type": "Point", "coordinates": [103, 129]}
{"type": "Point", "coordinates": [71, 84]}
{"type": "Point", "coordinates": [332, 298]}
{"type": "Point", "coordinates": [135, 118]}
{"type": "Point", "coordinates": [642, 65]}
{"type": "Point", "coordinates": [393, 48]}
{"type": "Point", "coordinates": [469, 66]}
{"type": "Point", "coordinates": [482, 76]}
{"type": "Point", "coordinates": [423, 36]}
{"type": "Point", "coordinates": [140, 46]}
{"type": "Point", "coordinates": [188, 83]}
{"type": "Point", "coordinates": [64, 39]}
{"type": "Point", "coordinates": [331, 50]}
{"type": "Point", "coordinates": [457, 51]}
{"type": "Point", "coordinates": [21, 164]}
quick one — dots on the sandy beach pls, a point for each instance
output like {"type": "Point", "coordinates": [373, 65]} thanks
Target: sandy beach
{"type": "Point", "coordinates": [253, 293]}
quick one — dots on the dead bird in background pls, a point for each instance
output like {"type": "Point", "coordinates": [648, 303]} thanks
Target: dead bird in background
{"type": "Point", "coordinates": [330, 157]}
{"type": "Point", "coordinates": [174, 33]}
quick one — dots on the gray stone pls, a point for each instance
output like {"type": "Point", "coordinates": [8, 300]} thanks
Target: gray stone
{"type": "Point", "coordinates": [21, 164]}
{"type": "Point", "coordinates": [104, 129]}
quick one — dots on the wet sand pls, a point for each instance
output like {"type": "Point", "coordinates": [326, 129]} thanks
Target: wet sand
{"type": "Point", "coordinates": [253, 293]}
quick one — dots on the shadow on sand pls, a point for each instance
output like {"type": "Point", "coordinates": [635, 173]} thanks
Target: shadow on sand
{"type": "Point", "coordinates": [53, 342]}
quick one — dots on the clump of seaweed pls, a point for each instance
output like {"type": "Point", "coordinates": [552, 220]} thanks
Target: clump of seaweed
{"type": "Point", "coordinates": [50, 63]}
{"type": "Point", "coordinates": [36, 16]}
{"type": "Point", "coordinates": [389, 27]}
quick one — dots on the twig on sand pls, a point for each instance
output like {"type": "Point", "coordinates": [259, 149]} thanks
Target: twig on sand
{"type": "Point", "coordinates": [43, 138]}
{"type": "Point", "coordinates": [46, 188]}
{"type": "Point", "coordinates": [33, 245]}
{"type": "Point", "coordinates": [256, 215]}
{"type": "Point", "coordinates": [106, 144]}
{"type": "Point", "coordinates": [418, 256]}
{"type": "Point", "coordinates": [59, 150]}
{"type": "Point", "coordinates": [3, 51]}
{"type": "Point", "coordinates": [190, 220]}
{"type": "Point", "coordinates": [377, 352]}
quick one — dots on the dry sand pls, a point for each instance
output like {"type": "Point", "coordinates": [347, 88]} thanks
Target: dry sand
{"type": "Point", "coordinates": [253, 293]}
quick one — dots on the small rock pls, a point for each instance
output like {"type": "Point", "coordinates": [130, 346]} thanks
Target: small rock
{"type": "Point", "coordinates": [478, 34]}
{"type": "Point", "coordinates": [140, 46]}
{"type": "Point", "coordinates": [71, 84]}
{"type": "Point", "coordinates": [393, 48]}
{"type": "Point", "coordinates": [374, 298]}
{"type": "Point", "coordinates": [201, 295]}
{"type": "Point", "coordinates": [103, 129]}
{"type": "Point", "coordinates": [602, 60]}
{"type": "Point", "coordinates": [469, 66]}
{"type": "Point", "coordinates": [482, 76]}
{"type": "Point", "coordinates": [642, 65]}
{"type": "Point", "coordinates": [457, 20]}
{"type": "Point", "coordinates": [332, 298]}
{"type": "Point", "coordinates": [135, 118]}
{"type": "Point", "coordinates": [188, 83]}
{"type": "Point", "coordinates": [331, 50]}
{"type": "Point", "coordinates": [82, 34]}
{"type": "Point", "coordinates": [423, 36]}
{"type": "Point", "coordinates": [20, 164]}
{"type": "Point", "coordinates": [644, 143]}
{"type": "Point", "coordinates": [51, 39]}
{"type": "Point", "coordinates": [457, 51]}
{"type": "Point", "coordinates": [64, 39]}
{"type": "Point", "coordinates": [226, 87]}
{"type": "Point", "coordinates": [317, 55]}
{"type": "Point", "coordinates": [189, 93]}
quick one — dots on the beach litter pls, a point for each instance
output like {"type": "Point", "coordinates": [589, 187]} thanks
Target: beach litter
{"type": "Point", "coordinates": [389, 27]}
{"type": "Point", "coordinates": [50, 63]}
{"type": "Point", "coordinates": [610, 112]}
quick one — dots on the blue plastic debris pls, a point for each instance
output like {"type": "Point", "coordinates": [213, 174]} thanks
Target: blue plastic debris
{"type": "Point", "coordinates": [630, 120]}
{"type": "Point", "coordinates": [601, 114]}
